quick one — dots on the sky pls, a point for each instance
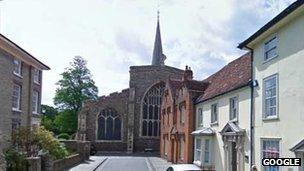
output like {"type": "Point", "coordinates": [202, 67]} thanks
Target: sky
{"type": "Point", "coordinates": [113, 35]}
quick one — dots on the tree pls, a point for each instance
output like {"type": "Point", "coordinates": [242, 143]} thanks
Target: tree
{"type": "Point", "coordinates": [49, 111]}
{"type": "Point", "coordinates": [49, 114]}
{"type": "Point", "coordinates": [66, 122]}
{"type": "Point", "coordinates": [75, 87]}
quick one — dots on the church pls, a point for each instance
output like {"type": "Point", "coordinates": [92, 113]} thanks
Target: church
{"type": "Point", "coordinates": [129, 120]}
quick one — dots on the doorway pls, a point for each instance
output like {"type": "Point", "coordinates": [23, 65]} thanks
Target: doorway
{"type": "Point", "coordinates": [233, 157]}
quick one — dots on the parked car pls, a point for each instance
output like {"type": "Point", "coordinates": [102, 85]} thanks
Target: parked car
{"type": "Point", "coordinates": [183, 167]}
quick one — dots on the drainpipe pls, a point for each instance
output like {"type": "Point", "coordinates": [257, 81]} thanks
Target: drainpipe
{"type": "Point", "coordinates": [253, 83]}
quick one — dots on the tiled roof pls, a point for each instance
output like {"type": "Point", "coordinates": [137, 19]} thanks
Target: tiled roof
{"type": "Point", "coordinates": [234, 75]}
{"type": "Point", "coordinates": [195, 85]}
{"type": "Point", "coordinates": [174, 85]}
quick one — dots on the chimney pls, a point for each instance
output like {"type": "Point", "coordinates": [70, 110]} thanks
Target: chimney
{"type": "Point", "coordinates": [188, 74]}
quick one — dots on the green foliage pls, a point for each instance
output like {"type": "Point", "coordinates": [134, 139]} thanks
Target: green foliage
{"type": "Point", "coordinates": [49, 111]}
{"type": "Point", "coordinates": [49, 114]}
{"type": "Point", "coordinates": [64, 136]}
{"type": "Point", "coordinates": [50, 144]}
{"type": "Point", "coordinates": [15, 160]}
{"type": "Point", "coordinates": [75, 87]}
{"type": "Point", "coordinates": [66, 121]}
{"type": "Point", "coordinates": [29, 141]}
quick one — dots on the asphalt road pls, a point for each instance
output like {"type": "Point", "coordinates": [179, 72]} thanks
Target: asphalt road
{"type": "Point", "coordinates": [125, 163]}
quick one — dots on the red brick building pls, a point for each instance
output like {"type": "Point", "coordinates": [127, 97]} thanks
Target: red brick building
{"type": "Point", "coordinates": [178, 118]}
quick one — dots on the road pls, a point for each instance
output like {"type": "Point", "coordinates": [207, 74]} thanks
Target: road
{"type": "Point", "coordinates": [125, 163]}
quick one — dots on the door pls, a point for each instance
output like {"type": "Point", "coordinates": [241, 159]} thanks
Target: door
{"type": "Point", "coordinates": [233, 157]}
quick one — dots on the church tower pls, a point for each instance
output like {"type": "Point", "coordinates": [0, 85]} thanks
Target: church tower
{"type": "Point", "coordinates": [158, 57]}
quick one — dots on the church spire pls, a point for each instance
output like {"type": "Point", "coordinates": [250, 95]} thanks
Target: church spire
{"type": "Point", "coordinates": [158, 56]}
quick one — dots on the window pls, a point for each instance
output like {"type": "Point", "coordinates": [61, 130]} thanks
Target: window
{"type": "Point", "coordinates": [271, 149]}
{"type": "Point", "coordinates": [207, 151]}
{"type": "Point", "coordinates": [234, 108]}
{"type": "Point", "coordinates": [151, 111]}
{"type": "Point", "coordinates": [109, 125]}
{"type": "Point", "coordinates": [16, 97]}
{"type": "Point", "coordinates": [181, 148]}
{"type": "Point", "coordinates": [270, 49]}
{"type": "Point", "coordinates": [270, 97]}
{"type": "Point", "coordinates": [182, 111]}
{"type": "Point", "coordinates": [17, 67]}
{"type": "Point", "coordinates": [37, 76]}
{"type": "Point", "coordinates": [214, 113]}
{"type": "Point", "coordinates": [198, 149]}
{"type": "Point", "coordinates": [168, 113]}
{"type": "Point", "coordinates": [35, 103]}
{"type": "Point", "coordinates": [200, 117]}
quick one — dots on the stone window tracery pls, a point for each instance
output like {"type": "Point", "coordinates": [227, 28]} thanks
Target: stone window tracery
{"type": "Point", "coordinates": [109, 125]}
{"type": "Point", "coordinates": [151, 111]}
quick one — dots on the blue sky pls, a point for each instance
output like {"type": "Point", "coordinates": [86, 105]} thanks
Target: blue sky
{"type": "Point", "coordinates": [115, 34]}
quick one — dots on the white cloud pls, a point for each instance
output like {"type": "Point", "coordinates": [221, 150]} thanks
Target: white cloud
{"type": "Point", "coordinates": [114, 34]}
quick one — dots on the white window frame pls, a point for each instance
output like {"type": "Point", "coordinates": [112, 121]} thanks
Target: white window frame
{"type": "Point", "coordinates": [19, 71]}
{"type": "Point", "coordinates": [199, 160]}
{"type": "Point", "coordinates": [262, 149]}
{"type": "Point", "coordinates": [275, 47]}
{"type": "Point", "coordinates": [265, 115]}
{"type": "Point", "coordinates": [35, 102]}
{"type": "Point", "coordinates": [235, 108]}
{"type": "Point", "coordinates": [209, 151]}
{"type": "Point", "coordinates": [36, 77]}
{"type": "Point", "coordinates": [18, 97]}
{"type": "Point", "coordinates": [214, 114]}
{"type": "Point", "coordinates": [199, 118]}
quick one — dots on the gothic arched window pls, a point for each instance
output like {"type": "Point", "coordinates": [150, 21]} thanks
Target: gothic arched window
{"type": "Point", "coordinates": [109, 125]}
{"type": "Point", "coordinates": [151, 111]}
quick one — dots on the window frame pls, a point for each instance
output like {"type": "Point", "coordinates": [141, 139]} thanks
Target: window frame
{"type": "Point", "coordinates": [182, 113]}
{"type": "Point", "coordinates": [262, 140]}
{"type": "Point", "coordinates": [19, 72]}
{"type": "Point", "coordinates": [117, 115]}
{"type": "Point", "coordinates": [35, 105]}
{"type": "Point", "coordinates": [199, 160]}
{"type": "Point", "coordinates": [274, 37]}
{"type": "Point", "coordinates": [236, 103]}
{"type": "Point", "coordinates": [209, 151]}
{"type": "Point", "coordinates": [214, 121]}
{"type": "Point", "coordinates": [37, 76]}
{"type": "Point", "coordinates": [265, 115]}
{"type": "Point", "coordinates": [19, 97]}
{"type": "Point", "coordinates": [200, 118]}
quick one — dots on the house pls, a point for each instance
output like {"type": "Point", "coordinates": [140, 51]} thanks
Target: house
{"type": "Point", "coordinates": [278, 97]}
{"type": "Point", "coordinates": [177, 117]}
{"type": "Point", "coordinates": [221, 136]}
{"type": "Point", "coordinates": [20, 88]}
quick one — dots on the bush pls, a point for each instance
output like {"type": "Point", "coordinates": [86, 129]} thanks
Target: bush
{"type": "Point", "coordinates": [64, 136]}
{"type": "Point", "coordinates": [50, 144]}
{"type": "Point", "coordinates": [15, 160]}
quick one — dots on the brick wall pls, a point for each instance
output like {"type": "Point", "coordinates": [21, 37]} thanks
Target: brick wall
{"type": "Point", "coordinates": [8, 79]}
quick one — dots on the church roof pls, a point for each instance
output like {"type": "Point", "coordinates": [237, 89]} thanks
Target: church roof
{"type": "Point", "coordinates": [235, 75]}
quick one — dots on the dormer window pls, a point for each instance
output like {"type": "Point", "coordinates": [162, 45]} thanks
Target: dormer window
{"type": "Point", "coordinates": [271, 49]}
{"type": "Point", "coordinates": [17, 67]}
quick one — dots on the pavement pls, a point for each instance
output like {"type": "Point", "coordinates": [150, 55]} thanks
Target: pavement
{"type": "Point", "coordinates": [90, 165]}
{"type": "Point", "coordinates": [125, 162]}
